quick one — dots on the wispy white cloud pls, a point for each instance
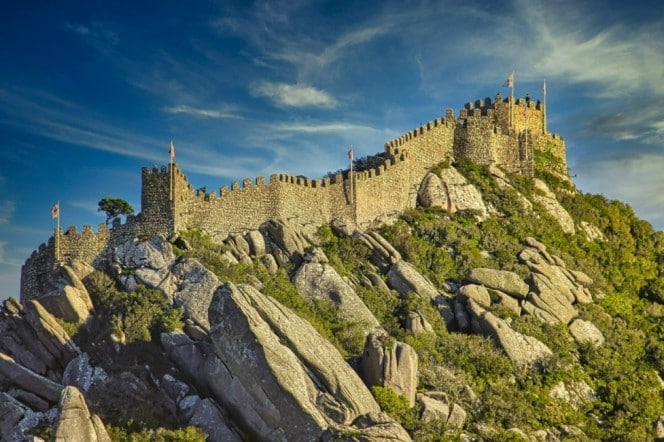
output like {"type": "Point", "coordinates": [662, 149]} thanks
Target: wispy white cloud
{"type": "Point", "coordinates": [205, 113]}
{"type": "Point", "coordinates": [57, 119]}
{"type": "Point", "coordinates": [98, 34]}
{"type": "Point", "coordinates": [293, 95]}
{"type": "Point", "coordinates": [7, 209]}
{"type": "Point", "coordinates": [322, 128]}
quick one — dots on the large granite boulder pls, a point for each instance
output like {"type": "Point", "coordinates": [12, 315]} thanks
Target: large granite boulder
{"type": "Point", "coordinates": [390, 363]}
{"type": "Point", "coordinates": [68, 299]}
{"type": "Point", "coordinates": [284, 242]}
{"type": "Point", "coordinates": [504, 281]}
{"type": "Point", "coordinates": [34, 339]}
{"type": "Point", "coordinates": [383, 254]}
{"type": "Point", "coordinates": [551, 299]}
{"type": "Point", "coordinates": [371, 427]}
{"type": "Point", "coordinates": [405, 279]}
{"type": "Point", "coordinates": [524, 351]}
{"type": "Point", "coordinates": [585, 332]}
{"type": "Point", "coordinates": [194, 287]}
{"type": "Point", "coordinates": [277, 375]}
{"type": "Point", "coordinates": [144, 262]}
{"type": "Point", "coordinates": [452, 192]}
{"type": "Point", "coordinates": [317, 280]}
{"type": "Point", "coordinates": [27, 380]}
{"type": "Point", "coordinates": [548, 199]}
{"type": "Point", "coordinates": [75, 423]}
{"type": "Point", "coordinates": [477, 293]}
{"type": "Point", "coordinates": [207, 416]}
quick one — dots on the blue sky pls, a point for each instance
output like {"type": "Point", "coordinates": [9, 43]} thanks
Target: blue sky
{"type": "Point", "coordinates": [92, 91]}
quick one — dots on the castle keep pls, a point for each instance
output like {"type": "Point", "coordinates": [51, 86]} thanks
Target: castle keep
{"type": "Point", "coordinates": [500, 132]}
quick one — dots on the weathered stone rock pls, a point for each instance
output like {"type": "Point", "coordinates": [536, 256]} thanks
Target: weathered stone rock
{"type": "Point", "coordinates": [30, 399]}
{"type": "Point", "coordinates": [75, 422]}
{"type": "Point", "coordinates": [285, 239]}
{"type": "Point", "coordinates": [175, 389]}
{"type": "Point", "coordinates": [581, 278]}
{"type": "Point", "coordinates": [389, 363]}
{"type": "Point", "coordinates": [433, 409]}
{"type": "Point", "coordinates": [189, 356]}
{"type": "Point", "coordinates": [207, 416]}
{"type": "Point", "coordinates": [553, 207]}
{"type": "Point", "coordinates": [658, 428]}
{"type": "Point", "coordinates": [68, 299]}
{"type": "Point", "coordinates": [585, 332]}
{"type": "Point", "coordinates": [148, 263]}
{"type": "Point", "coordinates": [477, 293]}
{"type": "Point", "coordinates": [524, 351]}
{"type": "Point", "coordinates": [383, 254]}
{"type": "Point", "coordinates": [79, 373]}
{"type": "Point", "coordinates": [506, 301]}
{"type": "Point", "coordinates": [551, 299]}
{"type": "Point", "coordinates": [275, 371]}
{"type": "Point", "coordinates": [372, 427]}
{"type": "Point", "coordinates": [457, 416]}
{"type": "Point", "coordinates": [240, 245]}
{"type": "Point", "coordinates": [11, 413]}
{"type": "Point", "coordinates": [316, 280]}
{"type": "Point", "coordinates": [415, 323]}
{"type": "Point", "coordinates": [195, 287]}
{"type": "Point", "coordinates": [575, 393]}
{"type": "Point", "coordinates": [592, 232]}
{"type": "Point", "coordinates": [504, 281]}
{"type": "Point", "coordinates": [452, 192]}
{"type": "Point", "coordinates": [538, 313]}
{"type": "Point", "coordinates": [28, 380]}
{"type": "Point", "coordinates": [405, 279]}
{"type": "Point", "coordinates": [256, 244]}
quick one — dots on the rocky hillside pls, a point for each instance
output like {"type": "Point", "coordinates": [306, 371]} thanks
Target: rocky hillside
{"type": "Point", "coordinates": [503, 309]}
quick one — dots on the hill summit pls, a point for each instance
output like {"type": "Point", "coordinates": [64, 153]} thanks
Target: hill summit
{"type": "Point", "coordinates": [454, 287]}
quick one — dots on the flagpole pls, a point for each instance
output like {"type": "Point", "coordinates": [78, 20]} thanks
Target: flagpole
{"type": "Point", "coordinates": [512, 101]}
{"type": "Point", "coordinates": [57, 232]}
{"type": "Point", "coordinates": [350, 157]}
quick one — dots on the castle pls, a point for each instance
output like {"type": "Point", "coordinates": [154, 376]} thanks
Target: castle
{"type": "Point", "coordinates": [501, 132]}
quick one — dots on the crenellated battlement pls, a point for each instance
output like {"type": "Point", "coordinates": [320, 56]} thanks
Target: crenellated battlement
{"type": "Point", "coordinates": [487, 131]}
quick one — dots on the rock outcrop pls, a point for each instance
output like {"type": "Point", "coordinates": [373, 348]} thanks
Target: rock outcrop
{"type": "Point", "coordinates": [75, 423]}
{"type": "Point", "coordinates": [452, 192]}
{"type": "Point", "coordinates": [506, 282]}
{"type": "Point", "coordinates": [390, 363]}
{"type": "Point", "coordinates": [548, 199]}
{"type": "Point", "coordinates": [68, 299]}
{"type": "Point", "coordinates": [282, 380]}
{"type": "Point", "coordinates": [34, 339]}
{"type": "Point", "coordinates": [524, 351]}
{"type": "Point", "coordinates": [144, 262]}
{"type": "Point", "coordinates": [317, 280]}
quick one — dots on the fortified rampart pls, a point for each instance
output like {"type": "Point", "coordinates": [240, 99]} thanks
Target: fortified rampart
{"type": "Point", "coordinates": [487, 132]}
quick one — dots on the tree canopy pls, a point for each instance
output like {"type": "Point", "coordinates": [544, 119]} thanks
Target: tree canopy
{"type": "Point", "coordinates": [114, 207]}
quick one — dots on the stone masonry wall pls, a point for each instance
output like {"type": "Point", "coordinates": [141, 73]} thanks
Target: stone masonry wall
{"type": "Point", "coordinates": [482, 133]}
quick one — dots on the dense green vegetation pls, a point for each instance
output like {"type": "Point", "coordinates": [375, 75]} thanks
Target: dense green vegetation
{"type": "Point", "coordinates": [627, 267]}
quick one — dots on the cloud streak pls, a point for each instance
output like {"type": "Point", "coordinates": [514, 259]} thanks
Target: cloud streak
{"type": "Point", "coordinates": [293, 95]}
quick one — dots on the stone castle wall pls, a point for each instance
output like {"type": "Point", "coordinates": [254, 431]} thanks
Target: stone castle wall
{"type": "Point", "coordinates": [485, 132]}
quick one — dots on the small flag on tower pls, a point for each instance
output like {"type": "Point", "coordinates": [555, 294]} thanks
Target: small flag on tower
{"type": "Point", "coordinates": [510, 80]}
{"type": "Point", "coordinates": [172, 151]}
{"type": "Point", "coordinates": [55, 211]}
{"type": "Point", "coordinates": [350, 153]}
